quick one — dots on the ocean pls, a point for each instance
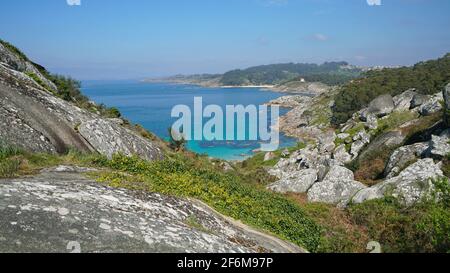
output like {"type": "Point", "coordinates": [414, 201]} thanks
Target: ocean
{"type": "Point", "coordinates": [150, 105]}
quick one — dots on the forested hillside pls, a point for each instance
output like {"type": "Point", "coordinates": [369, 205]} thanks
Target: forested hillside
{"type": "Point", "coordinates": [427, 77]}
{"type": "Point", "coordinates": [328, 73]}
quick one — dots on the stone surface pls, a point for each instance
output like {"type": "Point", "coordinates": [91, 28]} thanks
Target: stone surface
{"type": "Point", "coordinates": [381, 106]}
{"type": "Point", "coordinates": [297, 181]}
{"type": "Point", "coordinates": [339, 172]}
{"type": "Point", "coordinates": [439, 146]}
{"type": "Point", "coordinates": [110, 138]}
{"type": "Point", "coordinates": [61, 208]}
{"type": "Point", "coordinates": [418, 100]}
{"type": "Point", "coordinates": [340, 154]}
{"type": "Point", "coordinates": [402, 102]}
{"type": "Point", "coordinates": [334, 191]}
{"type": "Point", "coordinates": [404, 156]}
{"type": "Point", "coordinates": [45, 123]}
{"type": "Point", "coordinates": [412, 184]}
{"type": "Point", "coordinates": [431, 106]}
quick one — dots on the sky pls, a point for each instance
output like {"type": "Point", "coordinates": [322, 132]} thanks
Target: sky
{"type": "Point", "coordinates": [118, 39]}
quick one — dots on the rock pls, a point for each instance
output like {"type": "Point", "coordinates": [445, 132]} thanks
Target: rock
{"type": "Point", "coordinates": [402, 102]}
{"type": "Point", "coordinates": [58, 207]}
{"type": "Point", "coordinates": [343, 136]}
{"type": "Point", "coordinates": [339, 172]}
{"type": "Point", "coordinates": [381, 106]}
{"type": "Point", "coordinates": [269, 156]}
{"type": "Point", "coordinates": [439, 146]}
{"type": "Point", "coordinates": [297, 181]}
{"type": "Point", "coordinates": [326, 142]}
{"type": "Point", "coordinates": [411, 185]}
{"type": "Point", "coordinates": [446, 95]}
{"type": "Point", "coordinates": [109, 138]}
{"type": "Point", "coordinates": [430, 107]}
{"type": "Point", "coordinates": [371, 122]}
{"type": "Point", "coordinates": [386, 142]}
{"type": "Point", "coordinates": [418, 100]}
{"type": "Point", "coordinates": [403, 157]}
{"type": "Point", "coordinates": [334, 191]}
{"type": "Point", "coordinates": [357, 147]}
{"type": "Point", "coordinates": [340, 154]}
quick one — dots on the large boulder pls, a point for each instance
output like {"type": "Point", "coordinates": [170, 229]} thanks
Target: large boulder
{"type": "Point", "coordinates": [334, 191]}
{"type": "Point", "coordinates": [297, 181]}
{"type": "Point", "coordinates": [411, 185]}
{"type": "Point", "coordinates": [339, 172]}
{"type": "Point", "coordinates": [418, 100]}
{"type": "Point", "coordinates": [431, 106]}
{"type": "Point", "coordinates": [402, 102]}
{"type": "Point", "coordinates": [381, 106]}
{"type": "Point", "coordinates": [404, 156]}
{"type": "Point", "coordinates": [446, 94]}
{"type": "Point", "coordinates": [110, 138]}
{"type": "Point", "coordinates": [385, 142]}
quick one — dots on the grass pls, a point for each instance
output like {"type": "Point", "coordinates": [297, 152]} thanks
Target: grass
{"type": "Point", "coordinates": [393, 121]}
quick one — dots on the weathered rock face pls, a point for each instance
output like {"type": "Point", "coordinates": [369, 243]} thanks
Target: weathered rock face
{"type": "Point", "coordinates": [60, 206]}
{"type": "Point", "coordinates": [410, 185]}
{"type": "Point", "coordinates": [110, 138]}
{"type": "Point", "coordinates": [432, 106]}
{"type": "Point", "coordinates": [46, 123]}
{"type": "Point", "coordinates": [446, 95]}
{"type": "Point", "coordinates": [384, 142]}
{"type": "Point", "coordinates": [404, 156]}
{"type": "Point", "coordinates": [340, 154]}
{"type": "Point", "coordinates": [297, 181]}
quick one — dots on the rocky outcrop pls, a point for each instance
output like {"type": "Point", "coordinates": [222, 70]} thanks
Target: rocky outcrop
{"type": "Point", "coordinates": [402, 102]}
{"type": "Point", "coordinates": [431, 106]}
{"type": "Point", "coordinates": [412, 184]}
{"type": "Point", "coordinates": [337, 187]}
{"type": "Point", "coordinates": [403, 157]}
{"type": "Point", "coordinates": [439, 146]}
{"type": "Point", "coordinates": [269, 156]}
{"type": "Point", "coordinates": [60, 208]}
{"type": "Point", "coordinates": [46, 123]}
{"type": "Point", "coordinates": [109, 138]}
{"type": "Point", "coordinates": [297, 181]}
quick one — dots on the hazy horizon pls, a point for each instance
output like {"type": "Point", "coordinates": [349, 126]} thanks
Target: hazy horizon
{"type": "Point", "coordinates": [114, 40]}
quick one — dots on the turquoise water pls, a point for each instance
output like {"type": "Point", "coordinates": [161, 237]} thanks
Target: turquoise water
{"type": "Point", "coordinates": [150, 104]}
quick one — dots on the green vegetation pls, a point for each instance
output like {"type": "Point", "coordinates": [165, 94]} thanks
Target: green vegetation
{"type": "Point", "coordinates": [14, 50]}
{"type": "Point", "coordinates": [328, 73]}
{"type": "Point", "coordinates": [393, 121]}
{"type": "Point", "coordinates": [427, 77]}
{"type": "Point", "coordinates": [423, 227]}
{"type": "Point", "coordinates": [186, 177]}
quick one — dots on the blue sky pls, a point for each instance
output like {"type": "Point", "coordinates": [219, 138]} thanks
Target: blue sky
{"type": "Point", "coordinates": [118, 39]}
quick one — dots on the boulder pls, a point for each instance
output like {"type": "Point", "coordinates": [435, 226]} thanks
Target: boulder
{"type": "Point", "coordinates": [381, 106]}
{"type": "Point", "coordinates": [341, 155]}
{"type": "Point", "coordinates": [339, 172]}
{"type": "Point", "coordinates": [385, 142]}
{"type": "Point", "coordinates": [285, 153]}
{"type": "Point", "coordinates": [297, 181]}
{"type": "Point", "coordinates": [334, 191]}
{"type": "Point", "coordinates": [411, 185]}
{"type": "Point", "coordinates": [430, 107]}
{"type": "Point", "coordinates": [418, 100]}
{"type": "Point", "coordinates": [110, 138]}
{"type": "Point", "coordinates": [402, 102]}
{"type": "Point", "coordinates": [371, 122]}
{"type": "Point", "coordinates": [404, 156]}
{"type": "Point", "coordinates": [439, 146]}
